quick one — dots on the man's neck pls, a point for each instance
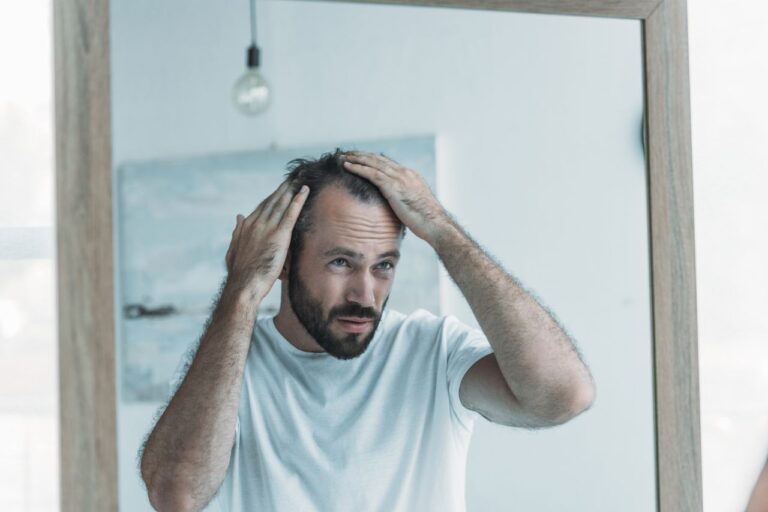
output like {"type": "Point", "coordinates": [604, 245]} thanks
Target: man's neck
{"type": "Point", "coordinates": [288, 325]}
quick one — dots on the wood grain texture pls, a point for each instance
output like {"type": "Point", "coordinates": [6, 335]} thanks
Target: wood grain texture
{"type": "Point", "coordinates": [84, 256]}
{"type": "Point", "coordinates": [639, 9]}
{"type": "Point", "coordinates": [673, 259]}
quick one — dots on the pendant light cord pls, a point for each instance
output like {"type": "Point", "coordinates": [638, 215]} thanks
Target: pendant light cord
{"type": "Point", "coordinates": [253, 22]}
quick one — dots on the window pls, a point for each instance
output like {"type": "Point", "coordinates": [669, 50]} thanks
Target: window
{"type": "Point", "coordinates": [29, 416]}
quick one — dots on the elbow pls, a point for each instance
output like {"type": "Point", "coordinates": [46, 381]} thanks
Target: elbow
{"type": "Point", "coordinates": [576, 402]}
{"type": "Point", "coordinates": [165, 492]}
{"type": "Point", "coordinates": [172, 488]}
{"type": "Point", "coordinates": [582, 399]}
{"type": "Point", "coordinates": [169, 499]}
{"type": "Point", "coordinates": [169, 494]}
{"type": "Point", "coordinates": [585, 397]}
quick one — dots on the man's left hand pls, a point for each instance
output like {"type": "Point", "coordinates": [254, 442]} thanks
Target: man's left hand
{"type": "Point", "coordinates": [406, 191]}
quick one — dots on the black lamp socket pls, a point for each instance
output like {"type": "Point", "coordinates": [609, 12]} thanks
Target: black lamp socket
{"type": "Point", "coordinates": [252, 56]}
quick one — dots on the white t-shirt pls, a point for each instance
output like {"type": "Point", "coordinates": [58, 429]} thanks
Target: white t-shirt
{"type": "Point", "coordinates": [385, 431]}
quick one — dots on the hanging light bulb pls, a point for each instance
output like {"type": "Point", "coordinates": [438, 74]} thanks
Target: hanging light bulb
{"type": "Point", "coordinates": [251, 91]}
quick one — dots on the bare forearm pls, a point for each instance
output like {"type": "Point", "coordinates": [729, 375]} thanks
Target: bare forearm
{"type": "Point", "coordinates": [187, 453]}
{"type": "Point", "coordinates": [539, 362]}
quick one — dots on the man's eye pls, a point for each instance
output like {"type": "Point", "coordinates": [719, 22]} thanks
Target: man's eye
{"type": "Point", "coordinates": [337, 260]}
{"type": "Point", "coordinates": [389, 267]}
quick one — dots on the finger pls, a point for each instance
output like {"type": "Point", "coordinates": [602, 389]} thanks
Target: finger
{"type": "Point", "coordinates": [238, 230]}
{"type": "Point", "coordinates": [373, 161]}
{"type": "Point", "coordinates": [370, 173]}
{"type": "Point", "coordinates": [275, 198]}
{"type": "Point", "coordinates": [360, 157]}
{"type": "Point", "coordinates": [231, 242]}
{"type": "Point", "coordinates": [391, 161]}
{"type": "Point", "coordinates": [294, 208]}
{"type": "Point", "coordinates": [235, 242]}
{"type": "Point", "coordinates": [363, 156]}
{"type": "Point", "coordinates": [280, 206]}
{"type": "Point", "coordinates": [266, 204]}
{"type": "Point", "coordinates": [380, 157]}
{"type": "Point", "coordinates": [256, 211]}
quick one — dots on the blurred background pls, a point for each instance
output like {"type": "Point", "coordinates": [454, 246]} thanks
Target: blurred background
{"type": "Point", "coordinates": [730, 158]}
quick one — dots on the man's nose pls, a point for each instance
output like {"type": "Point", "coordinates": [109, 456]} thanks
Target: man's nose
{"type": "Point", "coordinates": [361, 289]}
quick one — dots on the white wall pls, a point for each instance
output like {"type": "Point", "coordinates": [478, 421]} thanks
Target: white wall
{"type": "Point", "coordinates": [538, 122]}
{"type": "Point", "coordinates": [730, 162]}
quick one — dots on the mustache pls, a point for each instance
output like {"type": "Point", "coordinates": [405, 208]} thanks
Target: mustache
{"type": "Point", "coordinates": [353, 310]}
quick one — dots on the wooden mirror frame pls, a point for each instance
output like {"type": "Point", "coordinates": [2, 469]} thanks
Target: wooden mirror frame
{"type": "Point", "coordinates": [87, 399]}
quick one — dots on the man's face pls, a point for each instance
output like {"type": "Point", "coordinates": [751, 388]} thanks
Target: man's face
{"type": "Point", "coordinates": [340, 284]}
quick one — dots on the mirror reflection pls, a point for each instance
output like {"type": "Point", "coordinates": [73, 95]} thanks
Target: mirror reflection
{"type": "Point", "coordinates": [455, 315]}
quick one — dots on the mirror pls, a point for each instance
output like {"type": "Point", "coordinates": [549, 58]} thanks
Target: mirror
{"type": "Point", "coordinates": [536, 123]}
{"type": "Point", "coordinates": [533, 124]}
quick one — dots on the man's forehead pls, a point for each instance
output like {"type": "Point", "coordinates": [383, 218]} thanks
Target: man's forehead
{"type": "Point", "coordinates": [338, 214]}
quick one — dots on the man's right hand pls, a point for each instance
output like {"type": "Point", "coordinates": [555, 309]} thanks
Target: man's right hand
{"type": "Point", "coordinates": [260, 242]}
{"type": "Point", "coordinates": [186, 456]}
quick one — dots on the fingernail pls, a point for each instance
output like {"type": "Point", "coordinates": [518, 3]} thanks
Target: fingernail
{"type": "Point", "coordinates": [304, 189]}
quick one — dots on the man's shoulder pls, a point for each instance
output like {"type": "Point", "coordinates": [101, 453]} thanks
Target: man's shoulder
{"type": "Point", "coordinates": [423, 321]}
{"type": "Point", "coordinates": [417, 315]}
{"type": "Point", "coordinates": [419, 319]}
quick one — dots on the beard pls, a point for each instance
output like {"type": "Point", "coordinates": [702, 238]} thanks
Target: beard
{"type": "Point", "coordinates": [309, 312]}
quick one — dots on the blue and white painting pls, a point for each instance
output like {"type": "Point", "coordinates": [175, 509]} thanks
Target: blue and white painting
{"type": "Point", "coordinates": [174, 224]}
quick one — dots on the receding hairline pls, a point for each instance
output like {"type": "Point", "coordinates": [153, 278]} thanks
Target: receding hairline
{"type": "Point", "coordinates": [371, 201]}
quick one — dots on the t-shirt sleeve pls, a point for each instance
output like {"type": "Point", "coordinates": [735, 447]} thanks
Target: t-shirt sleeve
{"type": "Point", "coordinates": [465, 346]}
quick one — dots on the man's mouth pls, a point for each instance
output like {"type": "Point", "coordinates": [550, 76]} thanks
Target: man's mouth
{"type": "Point", "coordinates": [354, 324]}
{"type": "Point", "coordinates": [353, 319]}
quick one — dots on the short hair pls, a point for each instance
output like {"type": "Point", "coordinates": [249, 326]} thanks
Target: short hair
{"type": "Point", "coordinates": [319, 174]}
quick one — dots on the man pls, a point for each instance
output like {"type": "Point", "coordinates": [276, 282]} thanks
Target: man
{"type": "Point", "coordinates": [335, 403]}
